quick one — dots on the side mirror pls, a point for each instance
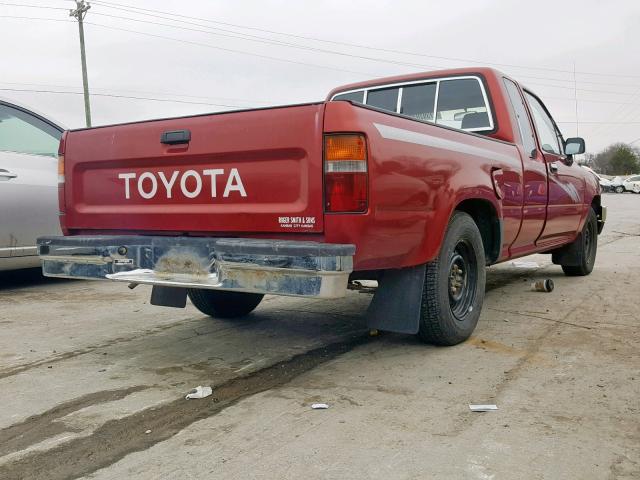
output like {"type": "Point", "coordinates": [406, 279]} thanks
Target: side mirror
{"type": "Point", "coordinates": [574, 146]}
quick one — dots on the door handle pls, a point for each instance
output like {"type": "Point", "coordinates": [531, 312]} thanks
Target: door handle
{"type": "Point", "coordinates": [7, 174]}
{"type": "Point", "coordinates": [553, 167]}
{"type": "Point", "coordinates": [175, 137]}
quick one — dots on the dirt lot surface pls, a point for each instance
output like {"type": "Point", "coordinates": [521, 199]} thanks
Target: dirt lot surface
{"type": "Point", "coordinates": [93, 378]}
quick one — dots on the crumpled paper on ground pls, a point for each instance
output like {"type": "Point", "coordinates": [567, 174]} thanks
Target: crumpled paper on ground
{"type": "Point", "coordinates": [199, 392]}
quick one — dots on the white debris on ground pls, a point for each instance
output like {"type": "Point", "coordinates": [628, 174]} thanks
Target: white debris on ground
{"type": "Point", "coordinates": [199, 392]}
{"type": "Point", "coordinates": [482, 408]}
{"type": "Point", "coordinates": [523, 264]}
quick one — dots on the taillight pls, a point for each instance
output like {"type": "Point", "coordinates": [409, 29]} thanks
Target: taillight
{"type": "Point", "coordinates": [60, 169]}
{"type": "Point", "coordinates": [345, 173]}
{"type": "Point", "coordinates": [61, 149]}
{"type": "Point", "coordinates": [61, 195]}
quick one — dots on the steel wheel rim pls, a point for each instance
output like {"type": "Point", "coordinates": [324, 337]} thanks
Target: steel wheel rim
{"type": "Point", "coordinates": [462, 280]}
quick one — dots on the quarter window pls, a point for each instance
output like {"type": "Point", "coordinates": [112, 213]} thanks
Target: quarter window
{"type": "Point", "coordinates": [357, 97]}
{"type": "Point", "coordinates": [524, 127]}
{"type": "Point", "coordinates": [544, 125]}
{"type": "Point", "coordinates": [461, 104]}
{"type": "Point", "coordinates": [418, 101]}
{"type": "Point", "coordinates": [386, 98]}
{"type": "Point", "coordinates": [23, 133]}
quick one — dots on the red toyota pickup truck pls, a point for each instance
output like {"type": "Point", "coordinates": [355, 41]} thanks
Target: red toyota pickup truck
{"type": "Point", "coordinates": [416, 181]}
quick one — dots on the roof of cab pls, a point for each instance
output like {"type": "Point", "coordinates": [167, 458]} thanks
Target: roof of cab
{"type": "Point", "coordinates": [485, 71]}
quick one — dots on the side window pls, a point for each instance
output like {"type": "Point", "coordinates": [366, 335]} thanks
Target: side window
{"type": "Point", "coordinates": [462, 104]}
{"type": "Point", "coordinates": [357, 97]}
{"type": "Point", "coordinates": [23, 133]}
{"type": "Point", "coordinates": [524, 127]}
{"type": "Point", "coordinates": [418, 101]}
{"type": "Point", "coordinates": [384, 98]}
{"type": "Point", "coordinates": [544, 126]}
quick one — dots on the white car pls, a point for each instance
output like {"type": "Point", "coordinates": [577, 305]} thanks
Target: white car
{"type": "Point", "coordinates": [605, 184]}
{"type": "Point", "coordinates": [28, 183]}
{"type": "Point", "coordinates": [632, 184]}
{"type": "Point", "coordinates": [617, 185]}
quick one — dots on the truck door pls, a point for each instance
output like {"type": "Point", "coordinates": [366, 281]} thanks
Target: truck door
{"type": "Point", "coordinates": [28, 181]}
{"type": "Point", "coordinates": [534, 176]}
{"type": "Point", "coordinates": [565, 186]}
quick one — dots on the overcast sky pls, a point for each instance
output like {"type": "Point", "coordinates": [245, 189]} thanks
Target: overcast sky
{"type": "Point", "coordinates": [535, 42]}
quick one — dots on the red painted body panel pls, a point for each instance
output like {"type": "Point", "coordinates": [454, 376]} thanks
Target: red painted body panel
{"type": "Point", "coordinates": [418, 174]}
{"type": "Point", "coordinates": [277, 154]}
{"type": "Point", "coordinates": [414, 187]}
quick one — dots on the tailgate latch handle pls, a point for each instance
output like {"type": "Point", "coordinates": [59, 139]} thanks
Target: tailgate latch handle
{"type": "Point", "coordinates": [175, 137]}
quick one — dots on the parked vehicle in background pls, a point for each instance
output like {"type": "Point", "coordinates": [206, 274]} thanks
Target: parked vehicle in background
{"type": "Point", "coordinates": [605, 184]}
{"type": "Point", "coordinates": [617, 185]}
{"type": "Point", "coordinates": [417, 181]}
{"type": "Point", "coordinates": [632, 184]}
{"type": "Point", "coordinates": [28, 183]}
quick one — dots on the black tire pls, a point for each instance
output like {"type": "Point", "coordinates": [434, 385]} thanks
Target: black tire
{"type": "Point", "coordinates": [619, 189]}
{"type": "Point", "coordinates": [587, 245]}
{"type": "Point", "coordinates": [454, 285]}
{"type": "Point", "coordinates": [223, 304]}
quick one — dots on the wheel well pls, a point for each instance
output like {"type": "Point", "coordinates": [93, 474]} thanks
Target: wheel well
{"type": "Point", "coordinates": [486, 218]}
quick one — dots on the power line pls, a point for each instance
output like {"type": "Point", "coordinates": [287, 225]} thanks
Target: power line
{"type": "Point", "coordinates": [254, 38]}
{"type": "Point", "coordinates": [172, 14]}
{"type": "Point", "coordinates": [590, 82]}
{"type": "Point", "coordinates": [22, 17]}
{"type": "Point", "coordinates": [331, 51]}
{"type": "Point", "coordinates": [7, 4]}
{"type": "Point", "coordinates": [275, 42]}
{"type": "Point", "coordinates": [278, 43]}
{"type": "Point", "coordinates": [171, 94]}
{"type": "Point", "coordinates": [547, 97]}
{"type": "Point", "coordinates": [118, 96]}
{"type": "Point", "coordinates": [248, 37]}
{"type": "Point", "coordinates": [312, 49]}
{"type": "Point", "coordinates": [583, 89]}
{"type": "Point", "coordinates": [232, 106]}
{"type": "Point", "coordinates": [242, 52]}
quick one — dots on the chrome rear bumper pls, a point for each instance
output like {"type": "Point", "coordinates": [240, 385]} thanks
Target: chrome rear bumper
{"type": "Point", "coordinates": [278, 267]}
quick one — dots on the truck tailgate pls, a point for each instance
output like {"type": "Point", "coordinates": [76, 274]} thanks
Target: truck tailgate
{"type": "Point", "coordinates": [246, 171]}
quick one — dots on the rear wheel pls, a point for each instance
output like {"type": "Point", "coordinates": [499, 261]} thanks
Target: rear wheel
{"type": "Point", "coordinates": [587, 246]}
{"type": "Point", "coordinates": [454, 285]}
{"type": "Point", "coordinates": [223, 304]}
{"type": "Point", "coordinates": [619, 189]}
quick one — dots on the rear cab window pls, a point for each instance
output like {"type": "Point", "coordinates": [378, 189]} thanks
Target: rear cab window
{"type": "Point", "coordinates": [455, 102]}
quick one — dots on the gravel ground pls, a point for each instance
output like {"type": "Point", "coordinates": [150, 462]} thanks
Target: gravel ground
{"type": "Point", "coordinates": [92, 382]}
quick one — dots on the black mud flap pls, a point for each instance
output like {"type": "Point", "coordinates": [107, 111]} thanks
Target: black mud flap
{"type": "Point", "coordinates": [569, 255]}
{"type": "Point", "coordinates": [168, 296]}
{"type": "Point", "coordinates": [396, 304]}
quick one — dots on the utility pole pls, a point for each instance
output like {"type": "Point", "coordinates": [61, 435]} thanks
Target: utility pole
{"type": "Point", "coordinates": [79, 13]}
{"type": "Point", "coordinates": [575, 97]}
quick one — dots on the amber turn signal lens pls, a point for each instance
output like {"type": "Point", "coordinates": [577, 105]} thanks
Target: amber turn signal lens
{"type": "Point", "coordinates": [60, 168]}
{"type": "Point", "coordinates": [344, 147]}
